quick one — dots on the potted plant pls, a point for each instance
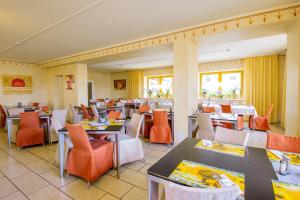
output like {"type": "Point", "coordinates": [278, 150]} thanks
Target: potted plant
{"type": "Point", "coordinates": [149, 92]}
{"type": "Point", "coordinates": [204, 93]}
{"type": "Point", "coordinates": [167, 93]}
{"type": "Point", "coordinates": [234, 92]}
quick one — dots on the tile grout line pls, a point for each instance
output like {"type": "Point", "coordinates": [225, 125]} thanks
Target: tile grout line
{"type": "Point", "coordinates": [37, 175]}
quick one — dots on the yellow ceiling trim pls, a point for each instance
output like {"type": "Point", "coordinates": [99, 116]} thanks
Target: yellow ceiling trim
{"type": "Point", "coordinates": [16, 63]}
{"type": "Point", "coordinates": [259, 18]}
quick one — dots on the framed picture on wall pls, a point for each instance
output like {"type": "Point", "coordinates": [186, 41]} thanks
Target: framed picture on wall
{"type": "Point", "coordinates": [17, 84]}
{"type": "Point", "coordinates": [70, 80]}
{"type": "Point", "coordinates": [120, 84]}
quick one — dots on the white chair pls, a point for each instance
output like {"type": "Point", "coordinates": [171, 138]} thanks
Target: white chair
{"type": "Point", "coordinates": [15, 123]}
{"type": "Point", "coordinates": [131, 148]}
{"type": "Point", "coordinates": [95, 111]}
{"type": "Point", "coordinates": [230, 136]}
{"type": "Point", "coordinates": [179, 192]}
{"type": "Point", "coordinates": [68, 143]}
{"type": "Point", "coordinates": [206, 129]}
{"type": "Point", "coordinates": [75, 116]}
{"type": "Point", "coordinates": [61, 117]}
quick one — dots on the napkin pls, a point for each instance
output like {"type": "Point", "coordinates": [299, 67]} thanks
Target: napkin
{"type": "Point", "coordinates": [207, 143]}
{"type": "Point", "coordinates": [277, 153]}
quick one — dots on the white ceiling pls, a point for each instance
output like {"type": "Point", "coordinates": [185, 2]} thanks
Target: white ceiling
{"type": "Point", "coordinates": [254, 41]}
{"type": "Point", "coordinates": [59, 28]}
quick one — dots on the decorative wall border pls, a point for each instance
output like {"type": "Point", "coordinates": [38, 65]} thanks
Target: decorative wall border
{"type": "Point", "coordinates": [16, 63]}
{"type": "Point", "coordinates": [266, 17]}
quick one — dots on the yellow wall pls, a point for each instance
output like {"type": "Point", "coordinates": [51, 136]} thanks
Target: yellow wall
{"type": "Point", "coordinates": [39, 83]}
{"type": "Point", "coordinates": [76, 96]}
{"type": "Point", "coordinates": [102, 84]}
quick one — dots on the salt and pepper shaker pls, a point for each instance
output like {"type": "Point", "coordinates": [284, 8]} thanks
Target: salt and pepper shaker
{"type": "Point", "coordinates": [284, 165]}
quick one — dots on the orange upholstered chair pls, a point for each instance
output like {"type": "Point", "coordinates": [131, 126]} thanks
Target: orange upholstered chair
{"type": "Point", "coordinates": [114, 115]}
{"type": "Point", "coordinates": [3, 117]}
{"type": "Point", "coordinates": [35, 104]}
{"type": "Point", "coordinates": [160, 131]}
{"type": "Point", "coordinates": [208, 109]}
{"type": "Point", "coordinates": [226, 108]}
{"type": "Point", "coordinates": [111, 103]}
{"type": "Point", "coordinates": [88, 159]}
{"type": "Point", "coordinates": [144, 108]}
{"type": "Point", "coordinates": [85, 112]}
{"type": "Point", "coordinates": [261, 122]}
{"type": "Point", "coordinates": [44, 108]}
{"type": "Point", "coordinates": [283, 143]}
{"type": "Point", "coordinates": [30, 131]}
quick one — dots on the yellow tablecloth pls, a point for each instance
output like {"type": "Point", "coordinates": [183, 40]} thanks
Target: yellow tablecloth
{"type": "Point", "coordinates": [199, 175]}
{"type": "Point", "coordinates": [87, 125]}
{"type": "Point", "coordinates": [294, 157]}
{"type": "Point", "coordinates": [285, 191]}
{"type": "Point", "coordinates": [234, 150]}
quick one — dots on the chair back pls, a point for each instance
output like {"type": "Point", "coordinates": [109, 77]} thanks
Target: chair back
{"type": "Point", "coordinates": [226, 108]}
{"type": "Point", "coordinates": [144, 108]}
{"type": "Point", "coordinates": [56, 125]}
{"type": "Point", "coordinates": [114, 115]}
{"type": "Point", "coordinates": [2, 112]}
{"type": "Point", "coordinates": [206, 129]}
{"type": "Point", "coordinates": [73, 113]}
{"type": "Point", "coordinates": [160, 118]}
{"type": "Point", "coordinates": [269, 111]}
{"type": "Point", "coordinates": [134, 125]}
{"type": "Point", "coordinates": [15, 111]}
{"type": "Point", "coordinates": [35, 104]}
{"type": "Point", "coordinates": [79, 138]}
{"type": "Point", "coordinates": [29, 120]}
{"type": "Point", "coordinates": [229, 136]}
{"type": "Point", "coordinates": [285, 143]}
{"type": "Point", "coordinates": [175, 191]}
{"type": "Point", "coordinates": [85, 112]}
{"type": "Point", "coordinates": [208, 109]}
{"type": "Point", "coordinates": [60, 116]}
{"type": "Point", "coordinates": [111, 103]}
{"type": "Point", "coordinates": [95, 111]}
{"type": "Point", "coordinates": [44, 108]}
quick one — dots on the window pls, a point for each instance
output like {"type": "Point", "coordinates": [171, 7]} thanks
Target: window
{"type": "Point", "coordinates": [221, 84]}
{"type": "Point", "coordinates": [159, 86]}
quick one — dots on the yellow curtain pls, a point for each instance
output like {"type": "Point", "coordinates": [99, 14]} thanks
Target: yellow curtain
{"type": "Point", "coordinates": [261, 79]}
{"type": "Point", "coordinates": [282, 120]}
{"type": "Point", "coordinates": [134, 84]}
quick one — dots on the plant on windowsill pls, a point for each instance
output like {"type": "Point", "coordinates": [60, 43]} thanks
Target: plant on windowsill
{"type": "Point", "coordinates": [167, 93]}
{"type": "Point", "coordinates": [234, 92]}
{"type": "Point", "coordinates": [149, 93]}
{"type": "Point", "coordinates": [204, 93]}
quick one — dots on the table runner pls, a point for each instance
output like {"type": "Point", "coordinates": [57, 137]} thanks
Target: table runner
{"type": "Point", "coordinates": [200, 175]}
{"type": "Point", "coordinates": [286, 191]}
{"type": "Point", "coordinates": [229, 149]}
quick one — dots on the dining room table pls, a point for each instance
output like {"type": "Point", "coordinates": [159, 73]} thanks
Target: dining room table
{"type": "Point", "coordinates": [219, 117]}
{"type": "Point", "coordinates": [113, 127]}
{"type": "Point", "coordinates": [254, 168]}
{"type": "Point", "coordinates": [42, 115]}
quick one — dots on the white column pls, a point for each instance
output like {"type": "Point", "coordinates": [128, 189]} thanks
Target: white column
{"type": "Point", "coordinates": [185, 84]}
{"type": "Point", "coordinates": [293, 80]}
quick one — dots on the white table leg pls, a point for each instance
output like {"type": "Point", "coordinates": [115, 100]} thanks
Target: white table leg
{"type": "Point", "coordinates": [9, 127]}
{"type": "Point", "coordinates": [48, 129]}
{"type": "Point", "coordinates": [152, 189]}
{"type": "Point", "coordinates": [61, 143]}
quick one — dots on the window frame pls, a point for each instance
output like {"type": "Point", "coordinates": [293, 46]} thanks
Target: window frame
{"type": "Point", "coordinates": [220, 73]}
{"type": "Point", "coordinates": [160, 77]}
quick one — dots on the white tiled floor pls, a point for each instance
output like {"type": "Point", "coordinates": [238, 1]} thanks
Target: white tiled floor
{"type": "Point", "coordinates": [31, 174]}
